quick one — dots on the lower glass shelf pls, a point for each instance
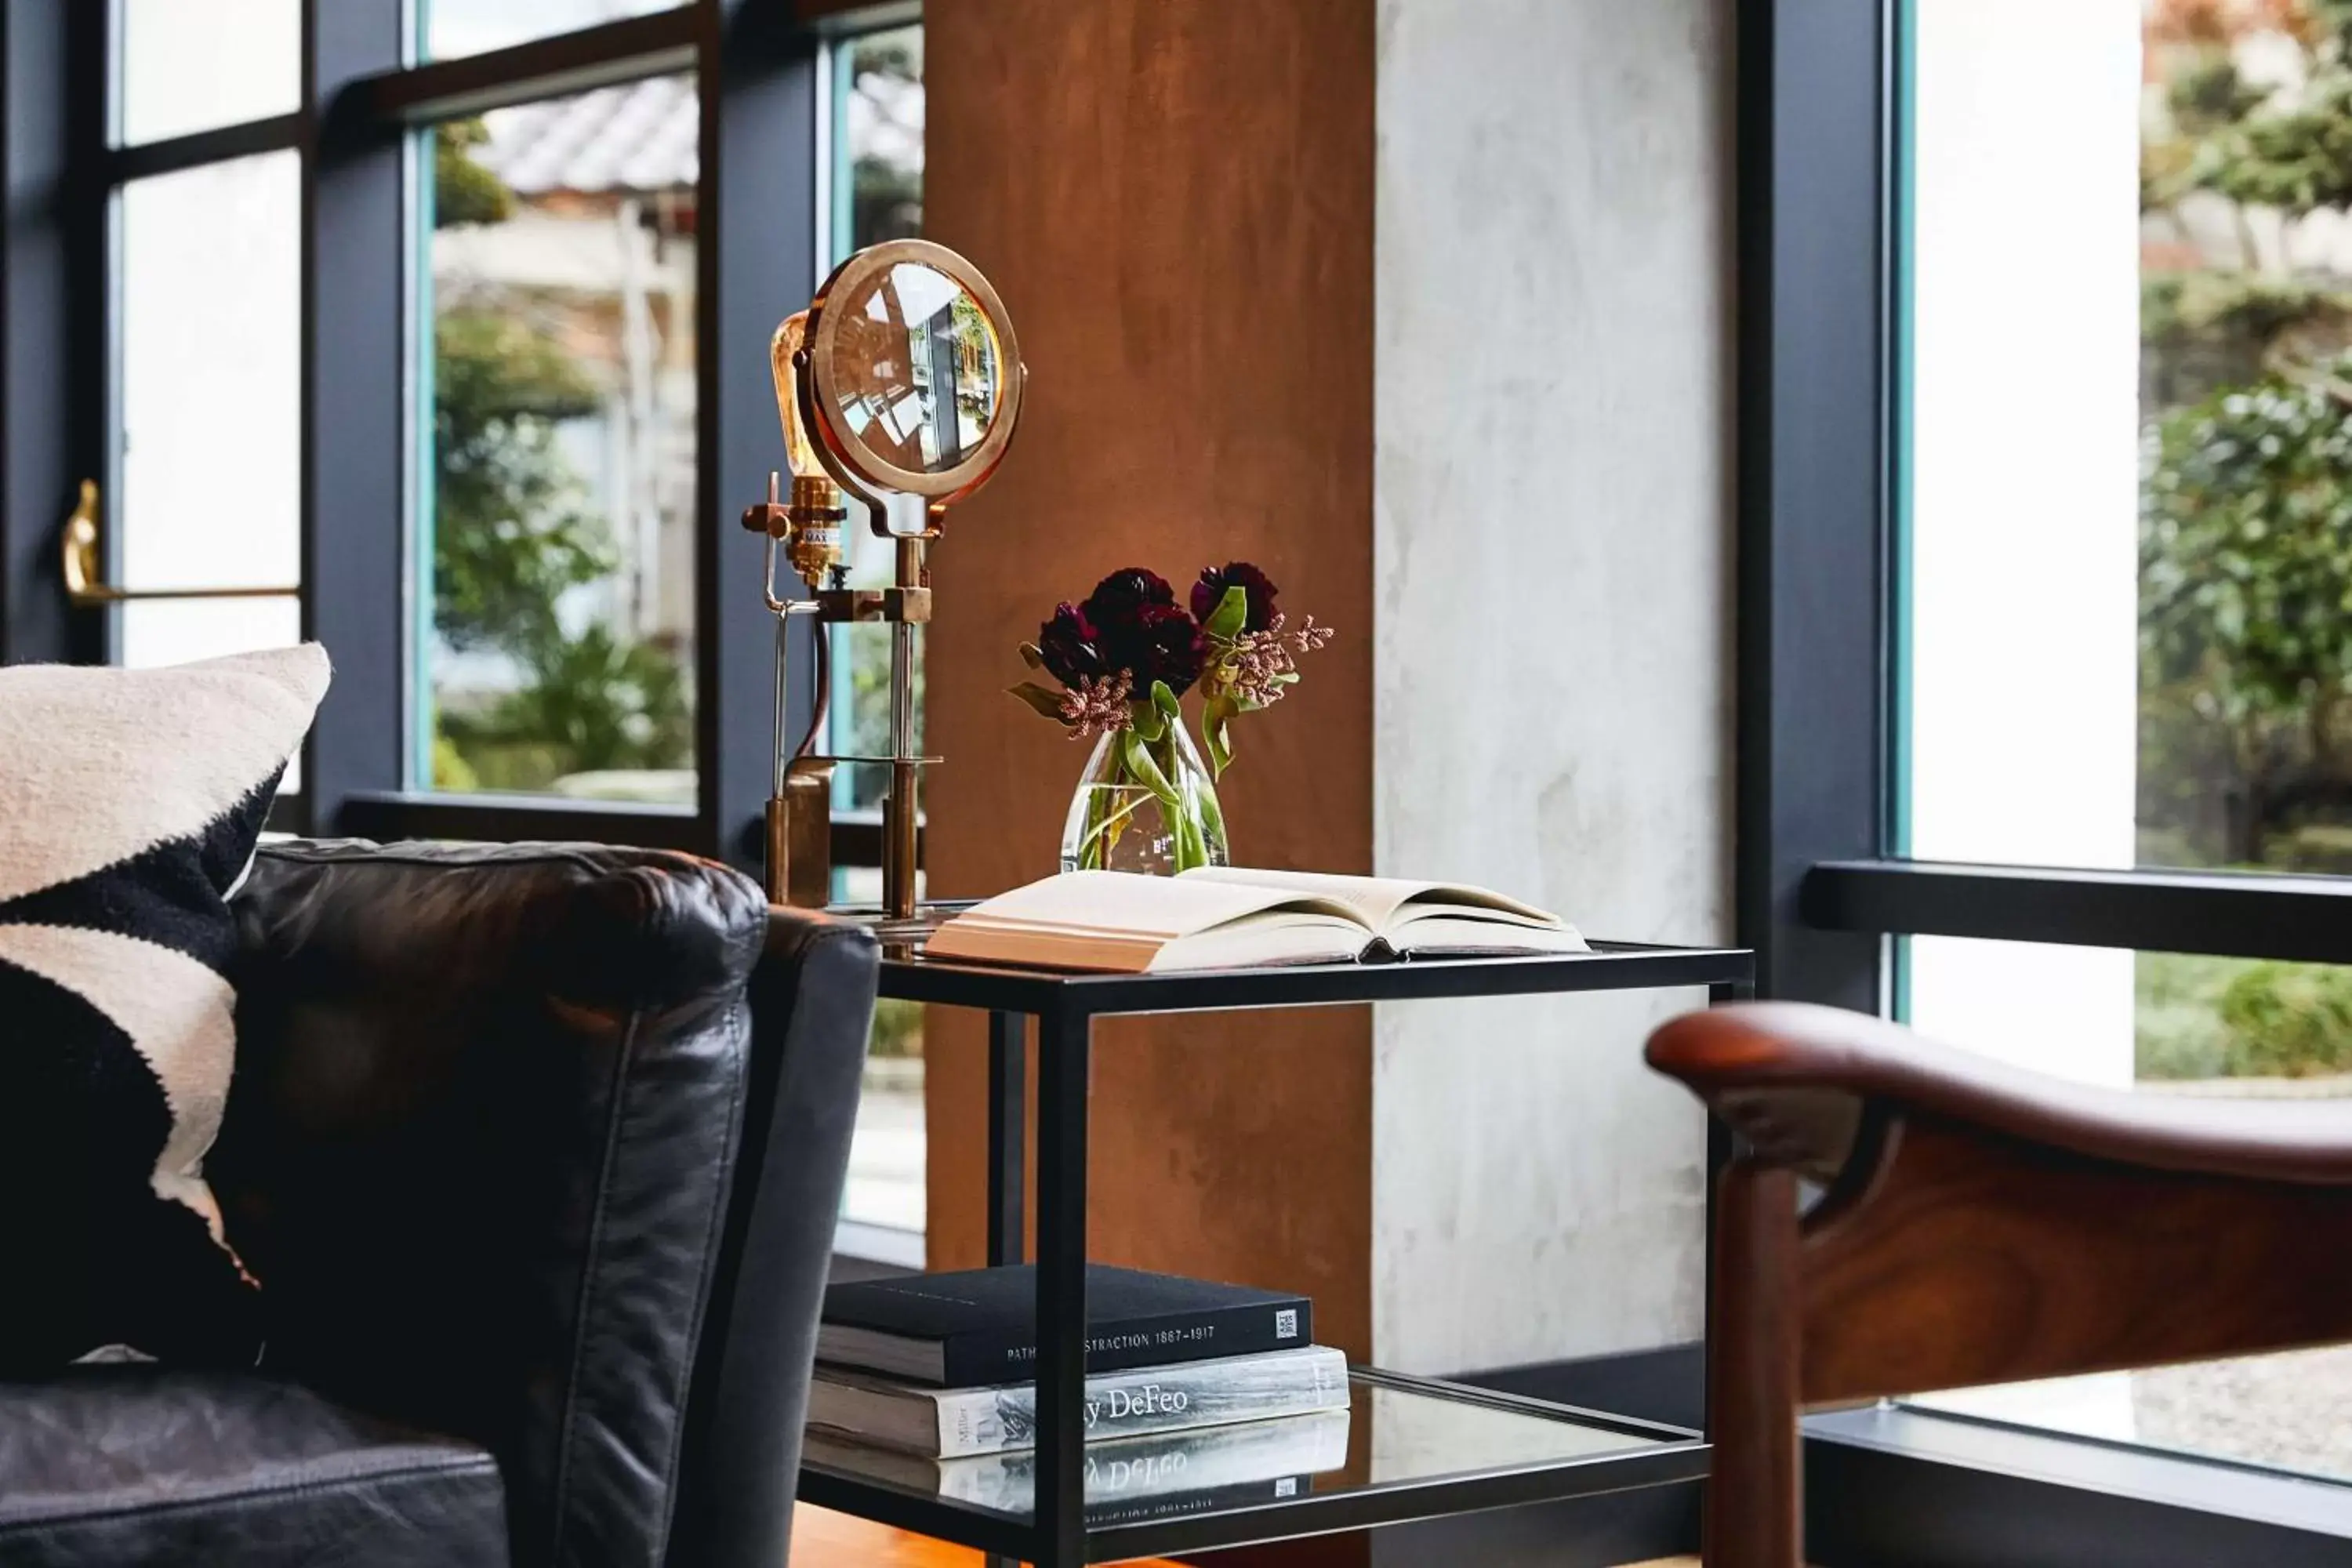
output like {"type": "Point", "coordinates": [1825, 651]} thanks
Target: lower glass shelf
{"type": "Point", "coordinates": [1406, 1449]}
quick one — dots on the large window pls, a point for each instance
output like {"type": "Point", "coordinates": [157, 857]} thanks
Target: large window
{"type": "Point", "coordinates": [2127, 607]}
{"type": "Point", "coordinates": [410, 326]}
{"type": "Point", "coordinates": [2047, 571]}
{"type": "Point", "coordinates": [413, 327]}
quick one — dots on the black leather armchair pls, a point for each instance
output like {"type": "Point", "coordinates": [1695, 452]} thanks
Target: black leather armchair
{"type": "Point", "coordinates": [536, 1151]}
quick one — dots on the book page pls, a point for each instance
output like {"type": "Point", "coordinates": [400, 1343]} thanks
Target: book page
{"type": "Point", "coordinates": [1124, 904]}
{"type": "Point", "coordinates": [1120, 921]}
{"type": "Point", "coordinates": [1470, 932]}
{"type": "Point", "coordinates": [1385, 903]}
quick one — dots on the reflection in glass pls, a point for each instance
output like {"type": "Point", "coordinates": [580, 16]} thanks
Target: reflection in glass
{"type": "Point", "coordinates": [448, 29]}
{"type": "Point", "coordinates": [193, 65]}
{"type": "Point", "coordinates": [555, 524]}
{"type": "Point", "coordinates": [209, 386]}
{"type": "Point", "coordinates": [916, 342]}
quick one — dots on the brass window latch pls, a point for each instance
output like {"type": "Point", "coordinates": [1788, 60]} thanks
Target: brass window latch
{"type": "Point", "coordinates": [85, 566]}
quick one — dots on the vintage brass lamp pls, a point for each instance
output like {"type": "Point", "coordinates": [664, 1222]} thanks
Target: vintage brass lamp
{"type": "Point", "coordinates": [899, 388]}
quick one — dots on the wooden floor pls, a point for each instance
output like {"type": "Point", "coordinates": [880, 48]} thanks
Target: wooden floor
{"type": "Point", "coordinates": [822, 1540]}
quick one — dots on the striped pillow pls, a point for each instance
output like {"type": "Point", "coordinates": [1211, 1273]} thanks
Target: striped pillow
{"type": "Point", "coordinates": [129, 803]}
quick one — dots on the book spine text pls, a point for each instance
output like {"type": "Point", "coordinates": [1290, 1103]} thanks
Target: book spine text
{"type": "Point", "coordinates": [1158, 1399]}
{"type": "Point", "coordinates": [976, 1360]}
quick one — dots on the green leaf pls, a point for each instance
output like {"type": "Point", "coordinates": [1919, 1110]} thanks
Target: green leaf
{"type": "Point", "coordinates": [1048, 703]}
{"type": "Point", "coordinates": [1033, 655]}
{"type": "Point", "coordinates": [1165, 700]}
{"type": "Point", "coordinates": [1142, 767]}
{"type": "Point", "coordinates": [1216, 721]}
{"type": "Point", "coordinates": [1213, 823]}
{"type": "Point", "coordinates": [1147, 720]}
{"type": "Point", "coordinates": [1231, 614]}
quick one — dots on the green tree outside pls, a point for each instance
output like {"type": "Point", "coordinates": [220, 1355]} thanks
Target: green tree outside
{"type": "Point", "coordinates": [513, 533]}
{"type": "Point", "coordinates": [2246, 515]}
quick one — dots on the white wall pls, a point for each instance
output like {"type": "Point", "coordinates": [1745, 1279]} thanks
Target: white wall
{"type": "Point", "coordinates": [1552, 546]}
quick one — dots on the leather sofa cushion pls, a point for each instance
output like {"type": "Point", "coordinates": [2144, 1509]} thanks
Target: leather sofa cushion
{"type": "Point", "coordinates": [141, 1467]}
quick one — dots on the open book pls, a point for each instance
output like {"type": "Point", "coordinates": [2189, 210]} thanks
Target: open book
{"type": "Point", "coordinates": [1228, 917]}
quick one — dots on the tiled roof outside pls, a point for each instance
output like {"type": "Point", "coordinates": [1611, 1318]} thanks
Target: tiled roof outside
{"type": "Point", "coordinates": [641, 136]}
{"type": "Point", "coordinates": [645, 135]}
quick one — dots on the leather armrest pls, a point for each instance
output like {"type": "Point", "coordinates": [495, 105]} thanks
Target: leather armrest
{"type": "Point", "coordinates": [812, 1009]}
{"type": "Point", "coordinates": [480, 1146]}
{"type": "Point", "coordinates": [1795, 1079]}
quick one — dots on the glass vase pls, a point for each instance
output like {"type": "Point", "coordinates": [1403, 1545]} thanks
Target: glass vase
{"type": "Point", "coordinates": [1144, 805]}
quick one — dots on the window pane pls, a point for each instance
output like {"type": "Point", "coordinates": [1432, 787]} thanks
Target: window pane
{"type": "Point", "coordinates": [2130, 486]}
{"type": "Point", "coordinates": [555, 527]}
{"type": "Point", "coordinates": [192, 65]}
{"type": "Point", "coordinates": [876, 185]}
{"type": "Point", "coordinates": [447, 28]}
{"type": "Point", "coordinates": [2166, 1024]}
{"type": "Point", "coordinates": [176, 631]}
{"type": "Point", "coordinates": [210, 383]}
{"type": "Point", "coordinates": [876, 193]}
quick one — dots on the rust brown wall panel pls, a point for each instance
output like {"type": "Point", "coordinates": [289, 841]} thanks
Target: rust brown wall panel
{"type": "Point", "coordinates": [1175, 199]}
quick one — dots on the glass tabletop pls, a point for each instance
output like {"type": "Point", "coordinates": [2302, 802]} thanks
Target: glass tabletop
{"type": "Point", "coordinates": [1393, 1433]}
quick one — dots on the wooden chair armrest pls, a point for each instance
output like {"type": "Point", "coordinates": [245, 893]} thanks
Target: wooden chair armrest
{"type": "Point", "coordinates": [1794, 1080]}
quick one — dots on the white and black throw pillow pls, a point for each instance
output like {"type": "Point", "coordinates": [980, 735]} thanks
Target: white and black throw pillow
{"type": "Point", "coordinates": [131, 800]}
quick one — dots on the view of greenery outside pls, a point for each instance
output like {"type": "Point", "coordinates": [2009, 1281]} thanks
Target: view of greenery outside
{"type": "Point", "coordinates": [572, 689]}
{"type": "Point", "coordinates": [2245, 751]}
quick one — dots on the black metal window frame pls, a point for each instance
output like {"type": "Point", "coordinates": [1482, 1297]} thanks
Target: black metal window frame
{"type": "Point", "coordinates": [1820, 895]}
{"type": "Point", "coordinates": [363, 96]}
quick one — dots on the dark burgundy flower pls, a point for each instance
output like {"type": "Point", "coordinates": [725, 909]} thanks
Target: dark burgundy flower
{"type": "Point", "coordinates": [1119, 599]}
{"type": "Point", "coordinates": [1161, 643]}
{"type": "Point", "coordinates": [1070, 648]}
{"type": "Point", "coordinates": [1211, 590]}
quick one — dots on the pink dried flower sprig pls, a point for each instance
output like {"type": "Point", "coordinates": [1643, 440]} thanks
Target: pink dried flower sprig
{"type": "Point", "coordinates": [1094, 708]}
{"type": "Point", "coordinates": [1256, 666]}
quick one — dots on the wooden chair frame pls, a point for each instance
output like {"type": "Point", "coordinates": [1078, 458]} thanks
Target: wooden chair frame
{"type": "Point", "coordinates": [1978, 1225]}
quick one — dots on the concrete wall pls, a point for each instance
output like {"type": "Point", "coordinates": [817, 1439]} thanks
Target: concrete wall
{"type": "Point", "coordinates": [1552, 559]}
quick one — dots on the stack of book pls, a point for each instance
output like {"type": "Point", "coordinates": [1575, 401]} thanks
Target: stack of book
{"type": "Point", "coordinates": [1199, 1395]}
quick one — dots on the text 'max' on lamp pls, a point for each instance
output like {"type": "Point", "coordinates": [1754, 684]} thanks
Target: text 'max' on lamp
{"type": "Point", "coordinates": [902, 379]}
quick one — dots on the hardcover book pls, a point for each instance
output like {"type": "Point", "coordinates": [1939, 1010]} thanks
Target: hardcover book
{"type": "Point", "coordinates": [1228, 917]}
{"type": "Point", "coordinates": [979, 1326]}
{"type": "Point", "coordinates": [1259, 1459]}
{"type": "Point", "coordinates": [956, 1422]}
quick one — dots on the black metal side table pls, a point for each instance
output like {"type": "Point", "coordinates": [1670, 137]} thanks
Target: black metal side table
{"type": "Point", "coordinates": [1432, 1449]}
